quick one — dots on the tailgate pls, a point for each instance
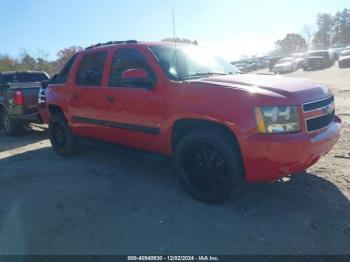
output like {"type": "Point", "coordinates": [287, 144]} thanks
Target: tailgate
{"type": "Point", "coordinates": [30, 92]}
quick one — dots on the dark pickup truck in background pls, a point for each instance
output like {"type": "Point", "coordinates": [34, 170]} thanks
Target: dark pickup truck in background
{"type": "Point", "coordinates": [19, 99]}
{"type": "Point", "coordinates": [318, 59]}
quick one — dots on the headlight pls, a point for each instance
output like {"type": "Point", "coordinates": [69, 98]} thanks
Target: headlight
{"type": "Point", "coordinates": [277, 119]}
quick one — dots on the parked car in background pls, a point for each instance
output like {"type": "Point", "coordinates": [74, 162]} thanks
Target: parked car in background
{"type": "Point", "coordinates": [285, 65]}
{"type": "Point", "coordinates": [273, 60]}
{"type": "Point", "coordinates": [243, 67]}
{"type": "Point", "coordinates": [318, 59]}
{"type": "Point", "coordinates": [223, 129]}
{"type": "Point", "coordinates": [299, 59]}
{"type": "Point", "coordinates": [19, 99]}
{"type": "Point", "coordinates": [344, 59]}
{"type": "Point", "coordinates": [345, 51]}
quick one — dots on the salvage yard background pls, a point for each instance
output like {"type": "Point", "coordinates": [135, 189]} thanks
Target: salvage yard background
{"type": "Point", "coordinates": [101, 202]}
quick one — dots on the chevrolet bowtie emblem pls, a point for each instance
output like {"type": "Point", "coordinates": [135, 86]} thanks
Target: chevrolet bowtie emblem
{"type": "Point", "coordinates": [328, 109]}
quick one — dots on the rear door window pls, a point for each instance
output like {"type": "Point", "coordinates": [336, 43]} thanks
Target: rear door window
{"type": "Point", "coordinates": [91, 69]}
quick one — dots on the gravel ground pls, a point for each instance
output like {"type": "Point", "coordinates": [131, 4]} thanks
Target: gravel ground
{"type": "Point", "coordinates": [102, 202]}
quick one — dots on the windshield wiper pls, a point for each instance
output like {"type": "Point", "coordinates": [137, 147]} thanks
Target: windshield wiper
{"type": "Point", "coordinates": [204, 74]}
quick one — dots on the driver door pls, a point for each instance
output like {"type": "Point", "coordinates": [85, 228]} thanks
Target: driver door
{"type": "Point", "coordinates": [136, 110]}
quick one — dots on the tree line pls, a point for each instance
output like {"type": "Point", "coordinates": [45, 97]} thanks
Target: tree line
{"type": "Point", "coordinates": [39, 61]}
{"type": "Point", "coordinates": [331, 31]}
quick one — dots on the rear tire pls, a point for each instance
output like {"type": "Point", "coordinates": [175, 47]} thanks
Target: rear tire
{"type": "Point", "coordinates": [209, 166]}
{"type": "Point", "coordinates": [8, 124]}
{"type": "Point", "coordinates": [61, 137]}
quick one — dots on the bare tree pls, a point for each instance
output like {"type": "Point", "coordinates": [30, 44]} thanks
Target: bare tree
{"type": "Point", "coordinates": [308, 32]}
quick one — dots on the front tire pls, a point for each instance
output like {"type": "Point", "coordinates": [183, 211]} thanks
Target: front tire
{"type": "Point", "coordinates": [61, 137]}
{"type": "Point", "coordinates": [209, 166]}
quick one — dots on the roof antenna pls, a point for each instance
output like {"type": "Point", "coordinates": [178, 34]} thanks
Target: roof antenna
{"type": "Point", "coordinates": [175, 44]}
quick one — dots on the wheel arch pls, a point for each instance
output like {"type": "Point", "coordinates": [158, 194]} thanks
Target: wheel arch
{"type": "Point", "coordinates": [183, 126]}
{"type": "Point", "coordinates": [55, 109]}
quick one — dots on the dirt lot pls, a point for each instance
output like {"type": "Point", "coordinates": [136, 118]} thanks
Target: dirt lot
{"type": "Point", "coordinates": [101, 202]}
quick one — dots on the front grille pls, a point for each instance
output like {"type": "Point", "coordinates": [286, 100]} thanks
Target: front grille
{"type": "Point", "coordinates": [318, 123]}
{"type": "Point", "coordinates": [315, 62]}
{"type": "Point", "coordinates": [326, 108]}
{"type": "Point", "coordinates": [318, 104]}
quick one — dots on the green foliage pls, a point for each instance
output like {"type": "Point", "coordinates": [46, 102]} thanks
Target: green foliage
{"type": "Point", "coordinates": [292, 43]}
{"type": "Point", "coordinates": [180, 40]}
{"type": "Point", "coordinates": [323, 36]}
{"type": "Point", "coordinates": [332, 30]}
{"type": "Point", "coordinates": [40, 62]}
{"type": "Point", "coordinates": [341, 27]}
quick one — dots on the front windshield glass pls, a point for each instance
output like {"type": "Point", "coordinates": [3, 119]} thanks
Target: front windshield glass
{"type": "Point", "coordinates": [324, 54]}
{"type": "Point", "coordinates": [188, 62]}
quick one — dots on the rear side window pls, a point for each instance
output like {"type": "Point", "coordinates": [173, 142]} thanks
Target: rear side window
{"type": "Point", "coordinates": [91, 69]}
{"type": "Point", "coordinates": [23, 78]}
{"type": "Point", "coordinates": [125, 59]}
{"type": "Point", "coordinates": [31, 77]}
{"type": "Point", "coordinates": [63, 75]}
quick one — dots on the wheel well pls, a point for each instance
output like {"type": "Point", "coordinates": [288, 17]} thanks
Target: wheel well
{"type": "Point", "coordinates": [184, 126]}
{"type": "Point", "coordinates": [55, 110]}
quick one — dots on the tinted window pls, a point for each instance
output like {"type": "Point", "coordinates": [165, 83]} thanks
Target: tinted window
{"type": "Point", "coordinates": [91, 69]}
{"type": "Point", "coordinates": [63, 75]}
{"type": "Point", "coordinates": [23, 77]}
{"type": "Point", "coordinates": [324, 54]}
{"type": "Point", "coordinates": [187, 61]}
{"type": "Point", "coordinates": [126, 59]}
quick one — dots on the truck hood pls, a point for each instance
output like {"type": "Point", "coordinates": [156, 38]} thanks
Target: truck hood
{"type": "Point", "coordinates": [270, 85]}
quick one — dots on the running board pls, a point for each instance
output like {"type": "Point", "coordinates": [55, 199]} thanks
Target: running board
{"type": "Point", "coordinates": [123, 150]}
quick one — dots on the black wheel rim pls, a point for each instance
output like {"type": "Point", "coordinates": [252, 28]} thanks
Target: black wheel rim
{"type": "Point", "coordinates": [206, 169]}
{"type": "Point", "coordinates": [58, 136]}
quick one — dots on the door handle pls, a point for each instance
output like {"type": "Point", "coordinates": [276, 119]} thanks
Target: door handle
{"type": "Point", "coordinates": [110, 99]}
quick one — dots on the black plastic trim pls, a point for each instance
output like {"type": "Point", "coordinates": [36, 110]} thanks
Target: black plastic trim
{"type": "Point", "coordinates": [136, 128]}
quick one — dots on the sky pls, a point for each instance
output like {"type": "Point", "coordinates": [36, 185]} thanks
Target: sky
{"type": "Point", "coordinates": [231, 28]}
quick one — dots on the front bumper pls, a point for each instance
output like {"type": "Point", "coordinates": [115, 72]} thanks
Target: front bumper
{"type": "Point", "coordinates": [271, 157]}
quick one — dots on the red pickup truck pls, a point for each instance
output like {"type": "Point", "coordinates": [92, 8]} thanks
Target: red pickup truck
{"type": "Point", "coordinates": [223, 129]}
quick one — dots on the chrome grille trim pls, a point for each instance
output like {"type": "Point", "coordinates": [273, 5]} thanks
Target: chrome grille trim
{"type": "Point", "coordinates": [325, 104]}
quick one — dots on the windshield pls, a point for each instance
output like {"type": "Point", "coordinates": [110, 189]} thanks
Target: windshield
{"type": "Point", "coordinates": [187, 62]}
{"type": "Point", "coordinates": [23, 77]}
{"type": "Point", "coordinates": [324, 54]}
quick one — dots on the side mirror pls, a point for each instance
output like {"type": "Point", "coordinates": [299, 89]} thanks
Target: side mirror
{"type": "Point", "coordinates": [137, 77]}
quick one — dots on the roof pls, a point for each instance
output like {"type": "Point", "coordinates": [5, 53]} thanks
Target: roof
{"type": "Point", "coordinates": [20, 72]}
{"type": "Point", "coordinates": [134, 42]}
